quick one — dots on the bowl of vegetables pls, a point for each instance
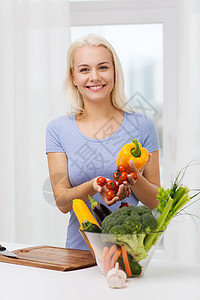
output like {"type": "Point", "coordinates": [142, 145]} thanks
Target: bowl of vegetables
{"type": "Point", "coordinates": [127, 236]}
{"type": "Point", "coordinates": [108, 249]}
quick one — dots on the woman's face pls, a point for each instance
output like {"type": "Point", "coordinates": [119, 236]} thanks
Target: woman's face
{"type": "Point", "coordinates": [93, 73]}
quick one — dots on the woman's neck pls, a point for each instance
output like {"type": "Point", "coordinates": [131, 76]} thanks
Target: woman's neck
{"type": "Point", "coordinates": [97, 112]}
{"type": "Point", "coordinates": [100, 122]}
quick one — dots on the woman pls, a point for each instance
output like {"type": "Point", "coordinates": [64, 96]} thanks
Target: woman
{"type": "Point", "coordinates": [83, 144]}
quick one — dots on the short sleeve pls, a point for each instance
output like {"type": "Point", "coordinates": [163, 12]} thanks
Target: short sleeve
{"type": "Point", "coordinates": [149, 135]}
{"type": "Point", "coordinates": [53, 143]}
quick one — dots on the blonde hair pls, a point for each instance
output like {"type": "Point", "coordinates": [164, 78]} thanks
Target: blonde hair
{"type": "Point", "coordinates": [74, 98]}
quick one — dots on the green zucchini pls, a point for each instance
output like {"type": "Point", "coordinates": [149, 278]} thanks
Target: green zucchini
{"type": "Point", "coordinates": [90, 227]}
{"type": "Point", "coordinates": [136, 268]}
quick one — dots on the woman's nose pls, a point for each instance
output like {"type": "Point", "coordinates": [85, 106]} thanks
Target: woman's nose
{"type": "Point", "coordinates": [94, 75]}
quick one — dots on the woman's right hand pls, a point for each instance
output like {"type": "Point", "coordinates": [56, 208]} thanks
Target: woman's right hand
{"type": "Point", "coordinates": [102, 190]}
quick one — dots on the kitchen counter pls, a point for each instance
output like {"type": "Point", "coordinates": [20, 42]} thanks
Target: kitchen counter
{"type": "Point", "coordinates": [162, 280]}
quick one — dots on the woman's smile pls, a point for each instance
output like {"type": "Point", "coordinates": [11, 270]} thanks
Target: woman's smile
{"type": "Point", "coordinates": [96, 88]}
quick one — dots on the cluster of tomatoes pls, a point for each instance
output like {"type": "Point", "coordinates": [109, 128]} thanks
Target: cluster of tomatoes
{"type": "Point", "coordinates": [118, 178]}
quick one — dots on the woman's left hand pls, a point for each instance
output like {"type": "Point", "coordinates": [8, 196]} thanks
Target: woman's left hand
{"type": "Point", "coordinates": [136, 174]}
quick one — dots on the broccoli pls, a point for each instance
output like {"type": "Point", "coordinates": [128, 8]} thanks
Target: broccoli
{"type": "Point", "coordinates": [129, 226]}
{"type": "Point", "coordinates": [143, 210]}
{"type": "Point", "coordinates": [149, 223]}
{"type": "Point", "coordinates": [133, 223]}
{"type": "Point", "coordinates": [118, 229]}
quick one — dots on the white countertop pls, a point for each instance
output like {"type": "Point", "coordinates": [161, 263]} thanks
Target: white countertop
{"type": "Point", "coordinates": [162, 280]}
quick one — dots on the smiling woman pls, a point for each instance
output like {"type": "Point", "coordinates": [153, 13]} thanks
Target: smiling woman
{"type": "Point", "coordinates": [83, 145]}
{"type": "Point", "coordinates": [92, 43]}
{"type": "Point", "coordinates": [93, 73]}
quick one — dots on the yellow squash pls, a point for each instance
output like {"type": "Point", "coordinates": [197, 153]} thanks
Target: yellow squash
{"type": "Point", "coordinates": [82, 212]}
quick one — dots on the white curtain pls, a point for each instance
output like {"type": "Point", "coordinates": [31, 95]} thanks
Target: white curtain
{"type": "Point", "coordinates": [34, 36]}
{"type": "Point", "coordinates": [182, 241]}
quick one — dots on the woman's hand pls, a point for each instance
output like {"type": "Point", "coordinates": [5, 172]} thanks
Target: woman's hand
{"type": "Point", "coordinates": [122, 192]}
{"type": "Point", "coordinates": [133, 179]}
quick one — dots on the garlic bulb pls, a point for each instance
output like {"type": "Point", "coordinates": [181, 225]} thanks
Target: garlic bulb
{"type": "Point", "coordinates": [116, 278]}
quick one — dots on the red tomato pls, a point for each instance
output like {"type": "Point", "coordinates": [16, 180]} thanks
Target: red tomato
{"type": "Point", "coordinates": [110, 194]}
{"type": "Point", "coordinates": [134, 175]}
{"type": "Point", "coordinates": [116, 175]}
{"type": "Point", "coordinates": [111, 185]}
{"type": "Point", "coordinates": [121, 168]}
{"type": "Point", "coordinates": [101, 181]}
{"type": "Point", "coordinates": [124, 204]}
{"type": "Point", "coordinates": [123, 177]}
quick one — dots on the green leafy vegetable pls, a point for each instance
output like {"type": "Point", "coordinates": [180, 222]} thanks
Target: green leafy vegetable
{"type": "Point", "coordinates": [170, 203]}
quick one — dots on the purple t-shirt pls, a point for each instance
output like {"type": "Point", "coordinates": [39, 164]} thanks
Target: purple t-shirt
{"type": "Point", "coordinates": [92, 157]}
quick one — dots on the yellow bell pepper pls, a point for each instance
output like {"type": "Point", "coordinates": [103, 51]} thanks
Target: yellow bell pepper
{"type": "Point", "coordinates": [135, 152]}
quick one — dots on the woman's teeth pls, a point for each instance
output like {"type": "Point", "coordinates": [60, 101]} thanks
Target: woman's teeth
{"type": "Point", "coordinates": [95, 87]}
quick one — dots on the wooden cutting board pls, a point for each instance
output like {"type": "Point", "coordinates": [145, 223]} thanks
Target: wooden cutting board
{"type": "Point", "coordinates": [54, 258]}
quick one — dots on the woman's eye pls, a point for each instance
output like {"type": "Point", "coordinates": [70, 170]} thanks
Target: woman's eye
{"type": "Point", "coordinates": [103, 67]}
{"type": "Point", "coordinates": [84, 70]}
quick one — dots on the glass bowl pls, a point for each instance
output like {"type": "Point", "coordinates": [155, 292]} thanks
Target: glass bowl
{"type": "Point", "coordinates": [107, 250]}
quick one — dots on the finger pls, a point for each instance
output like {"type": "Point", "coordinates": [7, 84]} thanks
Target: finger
{"type": "Point", "coordinates": [99, 189]}
{"type": "Point", "coordinates": [131, 180]}
{"type": "Point", "coordinates": [111, 202]}
{"type": "Point", "coordinates": [132, 165]}
{"type": "Point", "coordinates": [127, 189]}
{"type": "Point", "coordinates": [115, 199]}
{"type": "Point", "coordinates": [122, 192]}
{"type": "Point", "coordinates": [126, 183]}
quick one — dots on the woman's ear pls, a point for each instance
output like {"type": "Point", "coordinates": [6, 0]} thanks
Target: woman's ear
{"type": "Point", "coordinates": [73, 80]}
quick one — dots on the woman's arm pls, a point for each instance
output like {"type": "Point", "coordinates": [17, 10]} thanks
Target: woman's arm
{"type": "Point", "coordinates": [64, 193]}
{"type": "Point", "coordinates": [145, 188]}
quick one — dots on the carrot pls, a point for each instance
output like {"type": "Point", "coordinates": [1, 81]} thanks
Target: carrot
{"type": "Point", "coordinates": [125, 260]}
{"type": "Point", "coordinates": [115, 257]}
{"type": "Point", "coordinates": [109, 257]}
{"type": "Point", "coordinates": [103, 258]}
{"type": "Point", "coordinates": [98, 253]}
